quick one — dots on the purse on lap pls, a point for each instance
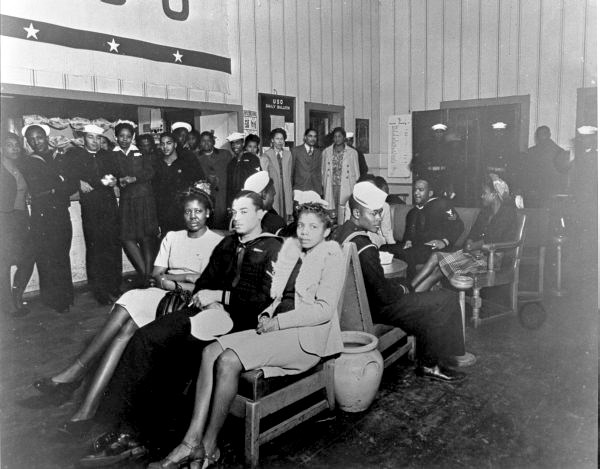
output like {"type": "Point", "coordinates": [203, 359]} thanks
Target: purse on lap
{"type": "Point", "coordinates": [173, 301]}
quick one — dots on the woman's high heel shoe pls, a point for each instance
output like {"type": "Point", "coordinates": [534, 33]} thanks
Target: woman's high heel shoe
{"type": "Point", "coordinates": [212, 459]}
{"type": "Point", "coordinates": [195, 456]}
{"type": "Point", "coordinates": [62, 391]}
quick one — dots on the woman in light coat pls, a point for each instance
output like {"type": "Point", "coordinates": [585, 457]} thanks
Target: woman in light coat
{"type": "Point", "coordinates": [340, 172]}
{"type": "Point", "coordinates": [293, 333]}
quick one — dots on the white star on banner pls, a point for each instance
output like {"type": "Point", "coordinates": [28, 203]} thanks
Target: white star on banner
{"type": "Point", "coordinates": [31, 31]}
{"type": "Point", "coordinates": [114, 46]}
{"type": "Point", "coordinates": [178, 56]}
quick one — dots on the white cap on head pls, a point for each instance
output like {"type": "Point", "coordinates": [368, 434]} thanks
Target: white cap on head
{"type": "Point", "coordinates": [349, 134]}
{"type": "Point", "coordinates": [499, 125]}
{"type": "Point", "coordinates": [257, 182]}
{"type": "Point", "coordinates": [369, 195]}
{"type": "Point", "coordinates": [439, 127]}
{"type": "Point", "coordinates": [235, 136]}
{"type": "Point", "coordinates": [44, 127]}
{"type": "Point", "coordinates": [93, 129]}
{"type": "Point", "coordinates": [181, 125]}
{"type": "Point", "coordinates": [308, 197]}
{"type": "Point", "coordinates": [587, 130]}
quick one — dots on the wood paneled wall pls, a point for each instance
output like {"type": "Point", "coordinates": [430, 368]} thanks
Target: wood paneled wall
{"type": "Point", "coordinates": [322, 51]}
{"type": "Point", "coordinates": [442, 50]}
{"type": "Point", "coordinates": [384, 57]}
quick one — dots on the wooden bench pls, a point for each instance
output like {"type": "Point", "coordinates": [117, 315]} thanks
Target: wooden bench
{"type": "Point", "coordinates": [356, 315]}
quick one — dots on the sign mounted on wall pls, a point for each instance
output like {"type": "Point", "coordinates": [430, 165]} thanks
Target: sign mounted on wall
{"type": "Point", "coordinates": [276, 111]}
{"type": "Point", "coordinates": [399, 146]}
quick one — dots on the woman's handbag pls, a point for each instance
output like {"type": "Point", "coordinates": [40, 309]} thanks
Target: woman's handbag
{"type": "Point", "coordinates": [173, 301]}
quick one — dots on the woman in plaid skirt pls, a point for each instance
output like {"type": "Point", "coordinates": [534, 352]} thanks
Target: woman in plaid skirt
{"type": "Point", "coordinates": [495, 223]}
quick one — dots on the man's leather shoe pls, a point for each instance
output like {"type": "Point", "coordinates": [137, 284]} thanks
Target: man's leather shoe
{"type": "Point", "coordinates": [440, 374]}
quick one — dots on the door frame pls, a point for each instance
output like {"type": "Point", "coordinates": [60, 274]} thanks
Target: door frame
{"type": "Point", "coordinates": [308, 106]}
{"type": "Point", "coordinates": [522, 100]}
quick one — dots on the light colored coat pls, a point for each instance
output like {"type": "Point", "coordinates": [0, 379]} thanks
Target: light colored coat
{"type": "Point", "coordinates": [350, 174]}
{"type": "Point", "coordinates": [269, 163]}
{"type": "Point", "coordinates": [317, 293]}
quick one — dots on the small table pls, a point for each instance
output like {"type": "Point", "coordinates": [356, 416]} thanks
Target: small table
{"type": "Point", "coordinates": [396, 269]}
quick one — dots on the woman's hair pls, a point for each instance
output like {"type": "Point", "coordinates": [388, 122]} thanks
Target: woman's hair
{"type": "Point", "coordinates": [252, 138]}
{"type": "Point", "coordinates": [256, 199]}
{"type": "Point", "coordinates": [210, 134]}
{"type": "Point", "coordinates": [195, 194]}
{"type": "Point", "coordinates": [318, 210]}
{"type": "Point", "coordinates": [276, 131]}
{"type": "Point", "coordinates": [123, 125]}
{"type": "Point", "coordinates": [339, 129]}
{"type": "Point", "coordinates": [11, 135]}
{"type": "Point", "coordinates": [167, 134]}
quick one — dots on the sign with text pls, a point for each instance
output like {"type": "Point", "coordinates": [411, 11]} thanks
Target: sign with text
{"type": "Point", "coordinates": [399, 146]}
{"type": "Point", "coordinates": [276, 111]}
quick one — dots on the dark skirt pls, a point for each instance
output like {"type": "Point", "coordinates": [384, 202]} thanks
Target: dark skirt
{"type": "Point", "coordinates": [138, 218]}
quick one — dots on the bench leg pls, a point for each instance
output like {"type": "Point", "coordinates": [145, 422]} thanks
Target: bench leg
{"type": "Point", "coordinates": [252, 434]}
{"type": "Point", "coordinates": [329, 369]}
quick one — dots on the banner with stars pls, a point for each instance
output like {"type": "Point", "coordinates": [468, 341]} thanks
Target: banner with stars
{"type": "Point", "coordinates": [181, 43]}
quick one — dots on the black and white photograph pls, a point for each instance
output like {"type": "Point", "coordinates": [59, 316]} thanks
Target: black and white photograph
{"type": "Point", "coordinates": [354, 234]}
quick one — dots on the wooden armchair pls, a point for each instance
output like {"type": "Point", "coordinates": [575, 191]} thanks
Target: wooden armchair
{"type": "Point", "coordinates": [507, 275]}
{"type": "Point", "coordinates": [355, 314]}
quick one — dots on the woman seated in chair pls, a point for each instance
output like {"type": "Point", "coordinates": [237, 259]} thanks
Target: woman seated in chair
{"type": "Point", "coordinates": [495, 223]}
{"type": "Point", "coordinates": [182, 257]}
{"type": "Point", "coordinates": [292, 334]}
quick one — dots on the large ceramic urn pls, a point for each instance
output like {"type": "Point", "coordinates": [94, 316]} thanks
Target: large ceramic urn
{"type": "Point", "coordinates": [358, 371]}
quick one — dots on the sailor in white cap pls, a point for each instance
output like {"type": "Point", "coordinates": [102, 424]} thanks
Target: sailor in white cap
{"type": "Point", "coordinates": [240, 167]}
{"type": "Point", "coordinates": [96, 171]}
{"type": "Point", "coordinates": [431, 158]}
{"type": "Point", "coordinates": [51, 180]}
{"type": "Point", "coordinates": [499, 125]}
{"type": "Point", "coordinates": [433, 317]}
{"type": "Point", "coordinates": [262, 184]}
{"type": "Point", "coordinates": [500, 153]}
{"type": "Point", "coordinates": [180, 131]}
{"type": "Point", "coordinates": [439, 127]}
{"type": "Point", "coordinates": [583, 182]}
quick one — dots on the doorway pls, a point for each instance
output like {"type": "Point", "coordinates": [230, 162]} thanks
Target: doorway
{"type": "Point", "coordinates": [455, 160]}
{"type": "Point", "coordinates": [323, 118]}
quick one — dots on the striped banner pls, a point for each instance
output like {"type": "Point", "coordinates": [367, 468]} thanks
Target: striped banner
{"type": "Point", "coordinates": [32, 30]}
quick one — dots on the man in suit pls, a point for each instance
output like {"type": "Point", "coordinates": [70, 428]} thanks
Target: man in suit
{"type": "Point", "coordinates": [306, 164]}
{"type": "Point", "coordinates": [277, 161]}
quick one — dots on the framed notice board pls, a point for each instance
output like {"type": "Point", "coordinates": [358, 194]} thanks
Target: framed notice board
{"type": "Point", "coordinates": [276, 111]}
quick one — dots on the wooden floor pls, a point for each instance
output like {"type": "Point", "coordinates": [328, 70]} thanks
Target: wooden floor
{"type": "Point", "coordinates": [530, 401]}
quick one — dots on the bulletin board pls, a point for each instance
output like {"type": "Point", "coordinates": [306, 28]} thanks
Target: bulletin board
{"type": "Point", "coordinates": [276, 111]}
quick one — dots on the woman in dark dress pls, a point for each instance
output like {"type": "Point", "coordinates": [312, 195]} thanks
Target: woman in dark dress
{"type": "Point", "coordinates": [173, 174]}
{"type": "Point", "coordinates": [495, 223]}
{"type": "Point", "coordinates": [137, 208]}
{"type": "Point", "coordinates": [15, 248]}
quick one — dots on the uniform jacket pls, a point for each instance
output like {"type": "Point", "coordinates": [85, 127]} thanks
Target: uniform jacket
{"type": "Point", "coordinates": [238, 171]}
{"type": "Point", "coordinates": [307, 170]}
{"type": "Point", "coordinates": [91, 169]}
{"type": "Point", "coordinates": [50, 180]}
{"type": "Point", "coordinates": [251, 295]}
{"type": "Point", "coordinates": [317, 293]}
{"type": "Point", "coordinates": [350, 174]}
{"type": "Point", "coordinates": [381, 292]}
{"type": "Point", "coordinates": [268, 162]}
{"type": "Point", "coordinates": [437, 219]}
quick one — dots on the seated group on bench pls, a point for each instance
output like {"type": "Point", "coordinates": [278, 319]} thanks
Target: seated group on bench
{"type": "Point", "coordinates": [282, 297]}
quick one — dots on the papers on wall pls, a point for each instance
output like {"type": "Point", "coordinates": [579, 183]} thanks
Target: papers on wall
{"type": "Point", "coordinates": [277, 122]}
{"type": "Point", "coordinates": [289, 130]}
{"type": "Point", "coordinates": [399, 145]}
{"type": "Point", "coordinates": [250, 122]}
